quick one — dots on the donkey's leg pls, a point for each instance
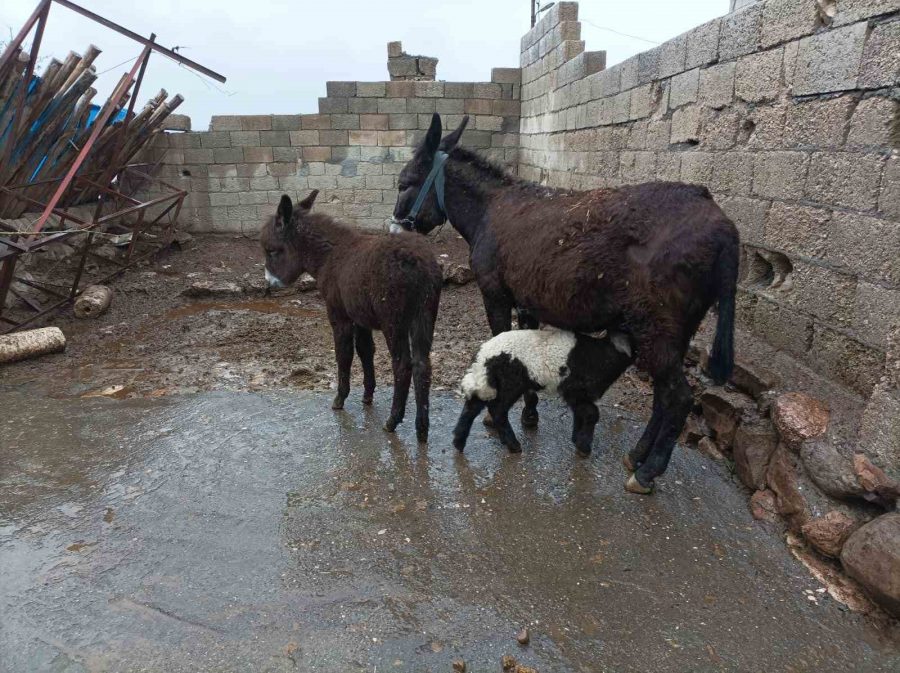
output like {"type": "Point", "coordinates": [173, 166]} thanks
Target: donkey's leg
{"type": "Point", "coordinates": [584, 437]}
{"type": "Point", "coordinates": [343, 351]}
{"type": "Point", "coordinates": [638, 454]}
{"type": "Point", "coordinates": [676, 399]}
{"type": "Point", "coordinates": [530, 412]}
{"type": "Point", "coordinates": [471, 409]}
{"type": "Point", "coordinates": [398, 345]}
{"type": "Point", "coordinates": [365, 349]}
{"type": "Point", "coordinates": [421, 334]}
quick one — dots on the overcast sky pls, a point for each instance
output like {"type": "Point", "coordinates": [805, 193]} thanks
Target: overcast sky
{"type": "Point", "coordinates": [278, 54]}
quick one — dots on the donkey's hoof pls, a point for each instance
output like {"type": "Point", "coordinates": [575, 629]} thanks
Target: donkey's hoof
{"type": "Point", "coordinates": [338, 403]}
{"type": "Point", "coordinates": [583, 453]}
{"type": "Point", "coordinates": [530, 418]}
{"type": "Point", "coordinates": [367, 398]}
{"type": "Point", "coordinates": [626, 461]}
{"type": "Point", "coordinates": [459, 445]}
{"type": "Point", "coordinates": [488, 421]}
{"type": "Point", "coordinates": [514, 448]}
{"type": "Point", "coordinates": [634, 486]}
{"type": "Point", "coordinates": [391, 424]}
{"type": "Point", "coordinates": [422, 436]}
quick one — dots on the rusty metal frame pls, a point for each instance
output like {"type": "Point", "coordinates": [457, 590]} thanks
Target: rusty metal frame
{"type": "Point", "coordinates": [11, 249]}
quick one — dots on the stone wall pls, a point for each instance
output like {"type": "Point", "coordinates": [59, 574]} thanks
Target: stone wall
{"type": "Point", "coordinates": [789, 114]}
{"type": "Point", "coordinates": [351, 149]}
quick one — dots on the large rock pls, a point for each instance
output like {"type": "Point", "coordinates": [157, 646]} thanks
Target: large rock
{"type": "Point", "coordinates": [828, 533]}
{"type": "Point", "coordinates": [799, 417]}
{"type": "Point", "coordinates": [782, 479]}
{"type": "Point", "coordinates": [879, 487]}
{"type": "Point", "coordinates": [754, 444]}
{"type": "Point", "coordinates": [753, 379]}
{"type": "Point", "coordinates": [723, 410]}
{"type": "Point", "coordinates": [871, 556]}
{"type": "Point", "coordinates": [763, 506]}
{"type": "Point", "coordinates": [829, 470]}
{"type": "Point", "coordinates": [213, 289]}
{"type": "Point", "coordinates": [457, 274]}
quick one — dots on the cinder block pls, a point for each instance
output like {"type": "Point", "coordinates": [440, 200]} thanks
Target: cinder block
{"type": "Point", "coordinates": [505, 108]}
{"type": "Point", "coordinates": [717, 85]}
{"type": "Point", "coordinates": [845, 179]}
{"type": "Point", "coordinates": [374, 122]}
{"type": "Point", "coordinates": [313, 122]}
{"type": "Point", "coordinates": [830, 61]}
{"type": "Point", "coordinates": [340, 89]}
{"type": "Point", "coordinates": [696, 167]}
{"type": "Point", "coordinates": [659, 131]}
{"type": "Point", "coordinates": [249, 170]}
{"type": "Point", "coordinates": [719, 128]}
{"type": "Point", "coordinates": [224, 199]}
{"type": "Point", "coordinates": [875, 123]}
{"type": "Point", "coordinates": [225, 123]}
{"type": "Point", "coordinates": [400, 89]}
{"type": "Point", "coordinates": [256, 122]}
{"type": "Point", "coordinates": [686, 125]}
{"type": "Point", "coordinates": [628, 76]}
{"type": "Point", "coordinates": [703, 44]}
{"type": "Point", "coordinates": [506, 75]}
{"type": "Point", "coordinates": [605, 83]}
{"type": "Point", "coordinates": [758, 76]}
{"type": "Point", "coordinates": [392, 105]}
{"type": "Point", "coordinates": [224, 170]}
{"type": "Point", "coordinates": [429, 89]}
{"type": "Point", "coordinates": [684, 88]}
{"type": "Point", "coordinates": [785, 20]}
{"type": "Point", "coordinates": [668, 166]}
{"type": "Point", "coordinates": [486, 90]}
{"type": "Point", "coordinates": [347, 121]}
{"type": "Point", "coordinates": [322, 182]}
{"type": "Point", "coordinates": [228, 155]}
{"type": "Point", "coordinates": [316, 153]}
{"type": "Point", "coordinates": [459, 89]}
{"type": "Point", "coordinates": [881, 58]}
{"type": "Point", "coordinates": [796, 229]}
{"type": "Point", "coordinates": [286, 154]}
{"type": "Point", "coordinates": [422, 105]}
{"type": "Point", "coordinates": [258, 154]}
{"type": "Point", "coordinates": [866, 246]}
{"type": "Point", "coordinates": [732, 173]}
{"type": "Point", "coordinates": [371, 89]}
{"type": "Point", "coordinates": [334, 105]}
{"type": "Point", "coordinates": [234, 184]}
{"type": "Point", "coordinates": [857, 10]}
{"type": "Point", "coordinates": [818, 123]}
{"type": "Point", "coordinates": [364, 138]}
{"type": "Point", "coordinates": [741, 32]}
{"type": "Point", "coordinates": [780, 175]}
{"type": "Point", "coordinates": [332, 138]}
{"type": "Point", "coordinates": [672, 56]}
{"type": "Point", "coordinates": [748, 215]}
{"type": "Point", "coordinates": [253, 198]}
{"type": "Point", "coordinates": [488, 123]}
{"type": "Point", "coordinates": [304, 138]}
{"type": "Point", "coordinates": [403, 121]}
{"type": "Point", "coordinates": [641, 102]}
{"type": "Point", "coordinates": [285, 122]}
{"type": "Point", "coordinates": [363, 105]}
{"type": "Point", "coordinates": [275, 138]}
{"type": "Point", "coordinates": [648, 66]}
{"type": "Point", "coordinates": [889, 202]}
{"type": "Point", "coordinates": [843, 358]}
{"type": "Point", "coordinates": [391, 138]}
{"type": "Point", "coordinates": [637, 167]}
{"type": "Point", "coordinates": [785, 328]}
{"type": "Point", "coordinates": [477, 106]}
{"type": "Point", "coordinates": [245, 138]}
{"type": "Point", "coordinates": [201, 156]}
{"type": "Point", "coordinates": [876, 309]}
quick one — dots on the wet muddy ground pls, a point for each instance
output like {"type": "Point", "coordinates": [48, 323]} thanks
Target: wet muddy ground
{"type": "Point", "coordinates": [264, 532]}
{"type": "Point", "coordinates": [177, 495]}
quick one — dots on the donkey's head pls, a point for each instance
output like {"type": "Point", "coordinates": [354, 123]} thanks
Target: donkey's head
{"type": "Point", "coordinates": [420, 183]}
{"type": "Point", "coordinates": [281, 242]}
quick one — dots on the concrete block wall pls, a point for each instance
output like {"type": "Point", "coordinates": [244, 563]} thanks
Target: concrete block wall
{"type": "Point", "coordinates": [790, 115]}
{"type": "Point", "coordinates": [351, 150]}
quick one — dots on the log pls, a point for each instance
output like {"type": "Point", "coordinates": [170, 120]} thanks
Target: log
{"type": "Point", "coordinates": [93, 301]}
{"type": "Point", "coordinates": [30, 344]}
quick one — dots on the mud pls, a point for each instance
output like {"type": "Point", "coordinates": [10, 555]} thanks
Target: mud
{"type": "Point", "coordinates": [262, 531]}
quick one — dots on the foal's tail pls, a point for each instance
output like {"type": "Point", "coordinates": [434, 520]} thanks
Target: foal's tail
{"type": "Point", "coordinates": [721, 361]}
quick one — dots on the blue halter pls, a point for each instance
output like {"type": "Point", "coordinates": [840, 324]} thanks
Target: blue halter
{"type": "Point", "coordinates": [435, 178]}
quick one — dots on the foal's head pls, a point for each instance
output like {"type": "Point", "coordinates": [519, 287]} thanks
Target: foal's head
{"type": "Point", "coordinates": [279, 238]}
{"type": "Point", "coordinates": [413, 177]}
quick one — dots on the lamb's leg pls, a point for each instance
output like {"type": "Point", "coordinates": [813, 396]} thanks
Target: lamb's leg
{"type": "Point", "coordinates": [500, 412]}
{"type": "Point", "coordinates": [529, 412]}
{"type": "Point", "coordinates": [343, 351]}
{"type": "Point", "coordinates": [365, 349]}
{"type": "Point", "coordinates": [471, 409]}
{"type": "Point", "coordinates": [499, 314]}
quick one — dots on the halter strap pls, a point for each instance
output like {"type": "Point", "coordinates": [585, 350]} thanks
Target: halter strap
{"type": "Point", "coordinates": [435, 178]}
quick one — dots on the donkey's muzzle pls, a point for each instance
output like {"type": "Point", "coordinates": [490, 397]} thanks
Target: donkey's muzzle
{"type": "Point", "coordinates": [398, 226]}
{"type": "Point", "coordinates": [272, 281]}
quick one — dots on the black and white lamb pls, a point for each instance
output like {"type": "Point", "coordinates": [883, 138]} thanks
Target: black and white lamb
{"type": "Point", "coordinates": [578, 367]}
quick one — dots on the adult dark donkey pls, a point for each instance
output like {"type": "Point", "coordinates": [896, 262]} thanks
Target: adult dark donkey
{"type": "Point", "coordinates": [390, 283]}
{"type": "Point", "coordinates": [648, 260]}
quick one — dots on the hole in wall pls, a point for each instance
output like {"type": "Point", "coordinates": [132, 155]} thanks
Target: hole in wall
{"type": "Point", "coordinates": [745, 131]}
{"type": "Point", "coordinates": [185, 173]}
{"type": "Point", "coordinates": [768, 270]}
{"type": "Point", "coordinates": [825, 12]}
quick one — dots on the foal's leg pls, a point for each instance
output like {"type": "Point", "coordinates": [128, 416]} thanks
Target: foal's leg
{"type": "Point", "coordinates": [471, 409]}
{"type": "Point", "coordinates": [421, 334]}
{"type": "Point", "coordinates": [638, 454]}
{"type": "Point", "coordinates": [676, 400]}
{"type": "Point", "coordinates": [398, 345]}
{"type": "Point", "coordinates": [343, 352]}
{"type": "Point", "coordinates": [530, 412]}
{"type": "Point", "coordinates": [365, 349]}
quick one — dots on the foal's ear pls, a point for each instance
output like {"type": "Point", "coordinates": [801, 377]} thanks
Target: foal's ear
{"type": "Point", "coordinates": [285, 212]}
{"type": "Point", "coordinates": [307, 203]}
{"type": "Point", "coordinates": [451, 139]}
{"type": "Point", "coordinates": [433, 137]}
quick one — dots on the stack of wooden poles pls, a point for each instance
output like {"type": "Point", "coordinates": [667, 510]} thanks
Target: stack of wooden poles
{"type": "Point", "coordinates": [39, 148]}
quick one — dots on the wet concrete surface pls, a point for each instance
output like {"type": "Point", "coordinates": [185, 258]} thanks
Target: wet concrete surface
{"type": "Point", "coordinates": [264, 532]}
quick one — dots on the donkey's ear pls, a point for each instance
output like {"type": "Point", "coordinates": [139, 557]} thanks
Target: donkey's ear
{"type": "Point", "coordinates": [307, 203]}
{"type": "Point", "coordinates": [451, 139]}
{"type": "Point", "coordinates": [433, 137]}
{"type": "Point", "coordinates": [285, 211]}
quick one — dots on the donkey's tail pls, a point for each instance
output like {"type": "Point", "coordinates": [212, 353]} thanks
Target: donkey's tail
{"type": "Point", "coordinates": [721, 360]}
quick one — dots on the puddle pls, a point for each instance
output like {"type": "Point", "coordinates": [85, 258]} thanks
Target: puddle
{"type": "Point", "coordinates": [256, 305]}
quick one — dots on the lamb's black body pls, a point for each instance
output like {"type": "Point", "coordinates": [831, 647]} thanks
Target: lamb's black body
{"type": "Point", "coordinates": [592, 366]}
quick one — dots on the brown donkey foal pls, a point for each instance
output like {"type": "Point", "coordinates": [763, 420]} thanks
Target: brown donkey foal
{"type": "Point", "coordinates": [389, 283]}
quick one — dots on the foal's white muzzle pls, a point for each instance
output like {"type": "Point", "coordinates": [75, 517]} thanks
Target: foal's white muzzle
{"type": "Point", "coordinates": [273, 281]}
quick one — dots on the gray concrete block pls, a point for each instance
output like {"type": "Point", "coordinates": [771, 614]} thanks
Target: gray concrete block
{"type": "Point", "coordinates": [748, 215]}
{"type": "Point", "coordinates": [719, 128]}
{"type": "Point", "coordinates": [818, 122]}
{"type": "Point", "coordinates": [717, 85]}
{"type": "Point", "coordinates": [758, 76]}
{"type": "Point", "coordinates": [340, 89]}
{"type": "Point", "coordinates": [684, 88]}
{"type": "Point", "coordinates": [732, 173]}
{"type": "Point", "coordinates": [889, 201]}
{"type": "Point", "coordinates": [345, 121]}
{"type": "Point", "coordinates": [780, 175]}
{"type": "Point", "coordinates": [866, 246]}
{"type": "Point", "coordinates": [214, 139]}
{"type": "Point", "coordinates": [228, 155]}
{"type": "Point", "coordinates": [843, 358]}
{"type": "Point", "coordinates": [703, 44]}
{"type": "Point", "coordinates": [304, 138]}
{"type": "Point", "coordinates": [225, 123]}
{"type": "Point", "coordinates": [881, 57]}
{"type": "Point", "coordinates": [363, 105]}
{"type": "Point", "coordinates": [285, 122]}
{"type": "Point", "coordinates": [686, 124]}
{"type": "Point", "coordinates": [876, 309]}
{"type": "Point", "coordinates": [423, 105]}
{"type": "Point", "coordinates": [315, 121]}
{"type": "Point", "coordinates": [785, 20]}
{"type": "Point", "coordinates": [672, 55]}
{"type": "Point", "coordinates": [506, 75]}
{"type": "Point", "coordinates": [797, 229]}
{"type": "Point", "coordinates": [391, 105]}
{"type": "Point", "coordinates": [830, 61]}
{"type": "Point", "coordinates": [330, 105]}
{"type": "Point", "coordinates": [875, 123]}
{"type": "Point", "coordinates": [741, 32]}
{"type": "Point", "coordinates": [851, 11]}
{"type": "Point", "coordinates": [245, 138]}
{"type": "Point", "coordinates": [696, 167]}
{"type": "Point", "coordinates": [371, 89]}
{"type": "Point", "coordinates": [845, 179]}
{"type": "Point", "coordinates": [648, 65]}
{"type": "Point", "coordinates": [256, 122]}
{"type": "Point", "coordinates": [275, 138]}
